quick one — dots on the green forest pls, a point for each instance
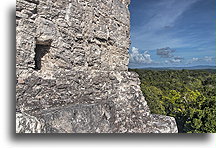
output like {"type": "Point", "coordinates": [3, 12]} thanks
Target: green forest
{"type": "Point", "coordinates": [187, 95]}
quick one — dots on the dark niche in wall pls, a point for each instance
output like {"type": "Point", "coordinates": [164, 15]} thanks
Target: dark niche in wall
{"type": "Point", "coordinates": [41, 49]}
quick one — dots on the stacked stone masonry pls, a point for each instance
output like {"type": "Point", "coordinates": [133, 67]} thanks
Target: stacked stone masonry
{"type": "Point", "coordinates": [72, 70]}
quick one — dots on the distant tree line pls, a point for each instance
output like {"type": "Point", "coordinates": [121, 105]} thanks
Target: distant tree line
{"type": "Point", "coordinates": [187, 95]}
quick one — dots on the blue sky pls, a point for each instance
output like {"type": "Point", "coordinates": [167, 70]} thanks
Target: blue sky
{"type": "Point", "coordinates": [167, 33]}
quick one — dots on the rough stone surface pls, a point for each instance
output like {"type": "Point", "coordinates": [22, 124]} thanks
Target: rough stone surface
{"type": "Point", "coordinates": [28, 124]}
{"type": "Point", "coordinates": [72, 73]}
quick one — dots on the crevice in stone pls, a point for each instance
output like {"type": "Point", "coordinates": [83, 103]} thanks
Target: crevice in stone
{"type": "Point", "coordinates": [101, 39]}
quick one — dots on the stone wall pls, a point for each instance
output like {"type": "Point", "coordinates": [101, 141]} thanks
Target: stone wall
{"type": "Point", "coordinates": [80, 34]}
{"type": "Point", "coordinates": [72, 74]}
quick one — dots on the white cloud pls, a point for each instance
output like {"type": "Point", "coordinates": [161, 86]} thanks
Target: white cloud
{"type": "Point", "coordinates": [175, 61]}
{"type": "Point", "coordinates": [206, 59]}
{"type": "Point", "coordinates": [195, 59]}
{"type": "Point", "coordinates": [137, 57]}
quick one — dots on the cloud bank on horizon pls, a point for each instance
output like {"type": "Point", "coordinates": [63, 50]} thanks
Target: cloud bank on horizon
{"type": "Point", "coordinates": [172, 33]}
